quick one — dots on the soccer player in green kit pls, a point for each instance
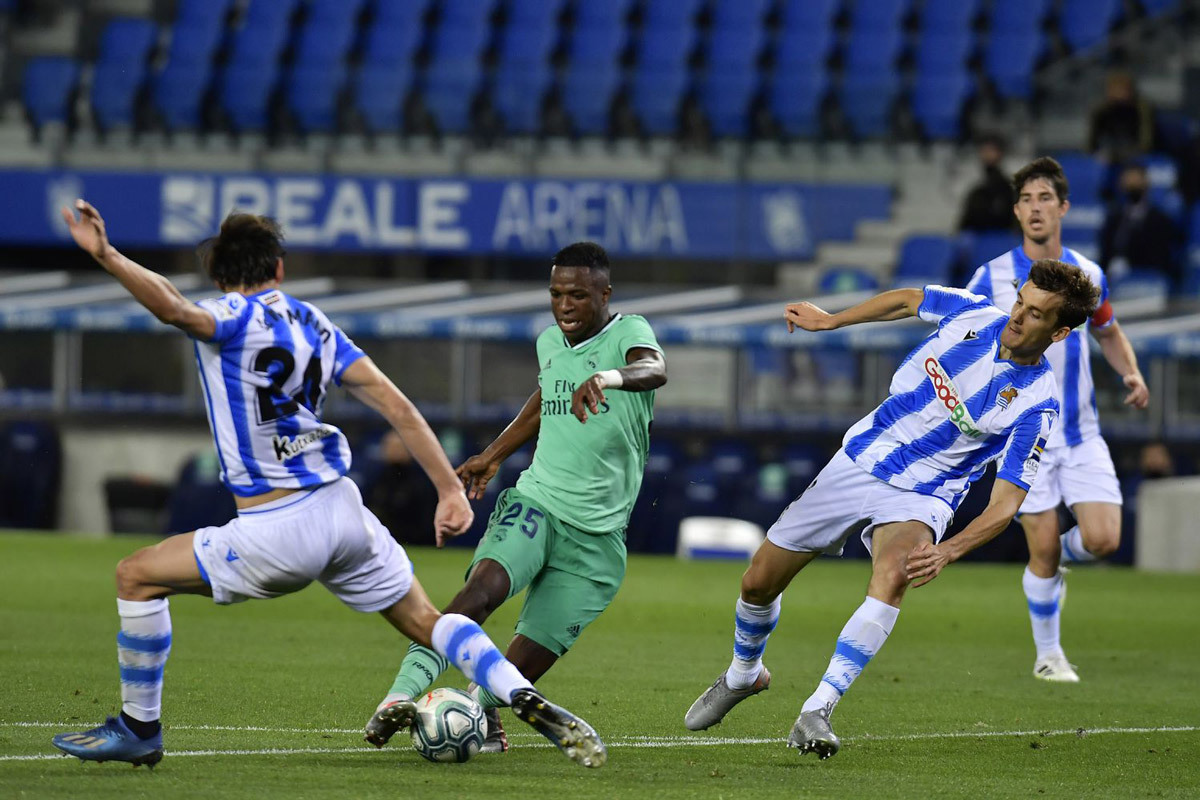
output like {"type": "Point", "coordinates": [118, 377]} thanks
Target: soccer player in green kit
{"type": "Point", "coordinates": [560, 532]}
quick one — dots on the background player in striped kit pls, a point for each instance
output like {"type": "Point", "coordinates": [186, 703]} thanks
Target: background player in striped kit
{"type": "Point", "coordinates": [1076, 468]}
{"type": "Point", "coordinates": [265, 361]}
{"type": "Point", "coordinates": [976, 390]}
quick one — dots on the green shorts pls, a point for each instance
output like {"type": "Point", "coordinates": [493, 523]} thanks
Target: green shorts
{"type": "Point", "coordinates": [572, 575]}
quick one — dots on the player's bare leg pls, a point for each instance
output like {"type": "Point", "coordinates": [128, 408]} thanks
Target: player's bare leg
{"type": "Point", "coordinates": [1045, 590]}
{"type": "Point", "coordinates": [1099, 527]}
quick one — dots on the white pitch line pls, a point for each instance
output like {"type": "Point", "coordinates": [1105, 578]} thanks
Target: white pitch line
{"type": "Point", "coordinates": [634, 742]}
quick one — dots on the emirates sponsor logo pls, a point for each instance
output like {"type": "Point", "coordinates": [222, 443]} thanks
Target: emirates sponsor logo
{"type": "Point", "coordinates": [947, 394]}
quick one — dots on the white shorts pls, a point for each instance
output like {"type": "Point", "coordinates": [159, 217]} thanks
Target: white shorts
{"type": "Point", "coordinates": [1080, 474]}
{"type": "Point", "coordinates": [846, 499]}
{"type": "Point", "coordinates": [325, 535]}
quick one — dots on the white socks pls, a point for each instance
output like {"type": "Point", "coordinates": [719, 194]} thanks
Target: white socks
{"type": "Point", "coordinates": [467, 647]}
{"type": "Point", "coordinates": [1073, 549]}
{"type": "Point", "coordinates": [866, 631]}
{"type": "Point", "coordinates": [142, 648]}
{"type": "Point", "coordinates": [752, 625]}
{"type": "Point", "coordinates": [1043, 596]}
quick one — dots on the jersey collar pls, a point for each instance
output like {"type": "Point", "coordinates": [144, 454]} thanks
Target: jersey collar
{"type": "Point", "coordinates": [594, 336]}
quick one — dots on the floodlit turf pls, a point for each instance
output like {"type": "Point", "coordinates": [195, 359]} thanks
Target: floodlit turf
{"type": "Point", "coordinates": [948, 709]}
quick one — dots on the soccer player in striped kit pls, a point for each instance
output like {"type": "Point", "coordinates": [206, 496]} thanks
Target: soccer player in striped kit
{"type": "Point", "coordinates": [1076, 468]}
{"type": "Point", "coordinates": [976, 390]}
{"type": "Point", "coordinates": [265, 362]}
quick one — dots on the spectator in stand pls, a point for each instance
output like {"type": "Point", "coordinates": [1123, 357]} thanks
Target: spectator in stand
{"type": "Point", "coordinates": [989, 204]}
{"type": "Point", "coordinates": [1137, 233]}
{"type": "Point", "coordinates": [1121, 127]}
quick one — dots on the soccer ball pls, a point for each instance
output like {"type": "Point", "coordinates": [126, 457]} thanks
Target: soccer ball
{"type": "Point", "coordinates": [450, 726]}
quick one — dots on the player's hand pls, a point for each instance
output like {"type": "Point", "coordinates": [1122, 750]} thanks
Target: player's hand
{"type": "Point", "coordinates": [453, 517]}
{"type": "Point", "coordinates": [88, 230]}
{"type": "Point", "coordinates": [808, 317]}
{"type": "Point", "coordinates": [475, 473]}
{"type": "Point", "coordinates": [1139, 393]}
{"type": "Point", "coordinates": [925, 562]}
{"type": "Point", "coordinates": [588, 397]}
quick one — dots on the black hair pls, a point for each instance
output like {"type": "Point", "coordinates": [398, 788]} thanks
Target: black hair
{"type": "Point", "coordinates": [245, 252]}
{"type": "Point", "coordinates": [1044, 167]}
{"type": "Point", "coordinates": [582, 254]}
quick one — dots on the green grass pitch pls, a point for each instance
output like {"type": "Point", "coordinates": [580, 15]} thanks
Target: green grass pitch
{"type": "Point", "coordinates": [948, 708]}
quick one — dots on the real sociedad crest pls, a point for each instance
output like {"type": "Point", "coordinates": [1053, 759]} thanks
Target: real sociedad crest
{"type": "Point", "coordinates": [188, 208]}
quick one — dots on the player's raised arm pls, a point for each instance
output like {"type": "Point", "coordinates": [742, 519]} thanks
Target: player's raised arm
{"type": "Point", "coordinates": [890, 305]}
{"type": "Point", "coordinates": [478, 470]}
{"type": "Point", "coordinates": [368, 383]}
{"type": "Point", "coordinates": [156, 293]}
{"type": "Point", "coordinates": [645, 370]}
{"type": "Point", "coordinates": [1118, 352]}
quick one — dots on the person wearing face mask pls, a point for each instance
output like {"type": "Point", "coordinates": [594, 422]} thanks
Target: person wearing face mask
{"type": "Point", "coordinates": [1122, 126]}
{"type": "Point", "coordinates": [1137, 233]}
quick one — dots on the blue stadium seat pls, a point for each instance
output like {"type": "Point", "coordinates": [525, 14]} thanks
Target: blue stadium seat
{"type": "Point", "coordinates": [928, 259]}
{"type": "Point", "coordinates": [937, 102]}
{"type": "Point", "coordinates": [535, 13]}
{"type": "Point", "coordinates": [127, 41]}
{"type": "Point", "coordinates": [527, 45]}
{"type": "Point", "coordinates": [983, 246]}
{"type": "Point", "coordinates": [944, 51]}
{"type": "Point", "coordinates": [656, 95]}
{"type": "Point", "coordinates": [878, 15]}
{"type": "Point", "coordinates": [30, 474]}
{"type": "Point", "coordinates": [587, 94]}
{"type": "Point", "coordinates": [795, 98]}
{"type": "Point", "coordinates": [802, 49]}
{"type": "Point", "coordinates": [1084, 23]}
{"type": "Point", "coordinates": [1009, 62]}
{"type": "Point", "coordinates": [312, 94]}
{"type": "Point", "coordinates": [325, 42]}
{"type": "Point", "coordinates": [199, 499]}
{"type": "Point", "coordinates": [46, 88]}
{"type": "Point", "coordinates": [596, 45]}
{"type": "Point", "coordinates": [1140, 282]}
{"type": "Point", "coordinates": [735, 48]}
{"type": "Point", "coordinates": [453, 43]}
{"type": "Point", "coordinates": [378, 93]}
{"type": "Point", "coordinates": [202, 12]}
{"type": "Point", "coordinates": [664, 458]}
{"type": "Point", "coordinates": [399, 12]}
{"type": "Point", "coordinates": [738, 14]}
{"type": "Point", "coordinates": [867, 101]}
{"type": "Point", "coordinates": [270, 13]}
{"type": "Point", "coordinates": [873, 50]}
{"type": "Point", "coordinates": [518, 95]}
{"type": "Point", "coordinates": [115, 89]}
{"type": "Point", "coordinates": [692, 490]}
{"type": "Point", "coordinates": [837, 280]}
{"type": "Point", "coordinates": [1085, 176]}
{"type": "Point", "coordinates": [335, 12]}
{"type": "Point", "coordinates": [725, 96]}
{"type": "Point", "coordinates": [449, 90]}
{"type": "Point", "coordinates": [1017, 16]}
{"type": "Point", "coordinates": [178, 94]}
{"type": "Point", "coordinates": [670, 13]}
{"type": "Point", "coordinates": [245, 94]}
{"type": "Point", "coordinates": [803, 15]}
{"type": "Point", "coordinates": [948, 16]}
{"type": "Point", "coordinates": [259, 43]}
{"type": "Point", "coordinates": [193, 45]}
{"type": "Point", "coordinates": [590, 14]}
{"type": "Point", "coordinates": [391, 45]}
{"type": "Point", "coordinates": [466, 13]}
{"type": "Point", "coordinates": [665, 48]}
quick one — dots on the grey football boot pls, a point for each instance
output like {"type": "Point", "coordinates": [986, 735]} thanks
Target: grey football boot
{"type": "Point", "coordinates": [569, 733]}
{"type": "Point", "coordinates": [712, 706]}
{"type": "Point", "coordinates": [813, 733]}
{"type": "Point", "coordinates": [496, 740]}
{"type": "Point", "coordinates": [388, 719]}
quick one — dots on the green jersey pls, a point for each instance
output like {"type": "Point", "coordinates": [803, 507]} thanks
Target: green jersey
{"type": "Point", "coordinates": [589, 474]}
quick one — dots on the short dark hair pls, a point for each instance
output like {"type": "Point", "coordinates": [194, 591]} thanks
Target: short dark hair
{"type": "Point", "coordinates": [245, 252]}
{"type": "Point", "coordinates": [1044, 167]}
{"type": "Point", "coordinates": [1079, 295]}
{"type": "Point", "coordinates": [582, 254]}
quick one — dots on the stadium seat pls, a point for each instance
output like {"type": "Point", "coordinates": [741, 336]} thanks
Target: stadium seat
{"type": "Point", "coordinates": [192, 13]}
{"type": "Point", "coordinates": [873, 51]}
{"type": "Point", "coordinates": [734, 49]}
{"type": "Point", "coordinates": [878, 15]}
{"type": "Point", "coordinates": [244, 94]}
{"type": "Point", "coordinates": [983, 246]}
{"type": "Point", "coordinates": [867, 101]}
{"type": "Point", "coordinates": [46, 88]}
{"type": "Point", "coordinates": [738, 14]}
{"type": "Point", "coordinates": [644, 527]}
{"type": "Point", "coordinates": [590, 14]}
{"type": "Point", "coordinates": [178, 95]}
{"type": "Point", "coordinates": [1017, 16]}
{"type": "Point", "coordinates": [325, 42]}
{"type": "Point", "coordinates": [453, 43]}
{"type": "Point", "coordinates": [656, 96]}
{"type": "Point", "coordinates": [596, 46]}
{"type": "Point", "coordinates": [466, 13]}
{"type": "Point", "coordinates": [725, 96]}
{"type": "Point", "coordinates": [937, 102]}
{"type": "Point", "coordinates": [1085, 177]}
{"type": "Point", "coordinates": [378, 93]}
{"type": "Point", "coordinates": [1140, 282]}
{"type": "Point", "coordinates": [666, 48]}
{"type": "Point", "coordinates": [270, 13]}
{"type": "Point", "coordinates": [30, 474]}
{"type": "Point", "coordinates": [399, 13]}
{"type": "Point", "coordinates": [948, 16]}
{"type": "Point", "coordinates": [588, 93]}
{"type": "Point", "coordinates": [335, 12]}
{"type": "Point", "coordinates": [199, 499]}
{"type": "Point", "coordinates": [312, 94]}
{"type": "Point", "coordinates": [127, 41]}
{"type": "Point", "coordinates": [391, 45]}
{"type": "Point", "coordinates": [930, 259]}
{"type": "Point", "coordinates": [193, 45]}
{"type": "Point", "coordinates": [518, 95]}
{"type": "Point", "coordinates": [943, 51]}
{"type": "Point", "coordinates": [259, 43]}
{"type": "Point", "coordinates": [449, 90]}
{"type": "Point", "coordinates": [526, 46]}
{"type": "Point", "coordinates": [1084, 23]}
{"type": "Point", "coordinates": [114, 92]}
{"type": "Point", "coordinates": [803, 15]}
{"type": "Point", "coordinates": [692, 490]}
{"type": "Point", "coordinates": [795, 98]}
{"type": "Point", "coordinates": [803, 49]}
{"type": "Point", "coordinates": [1009, 62]}
{"type": "Point", "coordinates": [533, 13]}
{"type": "Point", "coordinates": [670, 14]}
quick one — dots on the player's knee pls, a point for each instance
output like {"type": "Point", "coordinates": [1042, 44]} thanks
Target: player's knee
{"type": "Point", "coordinates": [1104, 542]}
{"type": "Point", "coordinates": [482, 595]}
{"type": "Point", "coordinates": [756, 590]}
{"type": "Point", "coordinates": [131, 577]}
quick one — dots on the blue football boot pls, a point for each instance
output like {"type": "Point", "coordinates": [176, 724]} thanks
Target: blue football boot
{"type": "Point", "coordinates": [112, 741]}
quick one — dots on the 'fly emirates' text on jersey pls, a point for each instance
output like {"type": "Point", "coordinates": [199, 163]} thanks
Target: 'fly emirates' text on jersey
{"type": "Point", "coordinates": [264, 374]}
{"type": "Point", "coordinates": [999, 280]}
{"type": "Point", "coordinates": [955, 406]}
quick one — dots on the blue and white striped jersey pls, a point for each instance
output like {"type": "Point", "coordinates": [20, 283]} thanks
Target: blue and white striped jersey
{"type": "Point", "coordinates": [998, 280]}
{"type": "Point", "coordinates": [264, 375]}
{"type": "Point", "coordinates": [955, 406]}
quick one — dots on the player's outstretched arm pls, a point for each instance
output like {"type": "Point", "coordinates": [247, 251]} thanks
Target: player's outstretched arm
{"type": "Point", "coordinates": [893, 304]}
{"type": "Point", "coordinates": [1118, 352]}
{"type": "Point", "coordinates": [645, 370]}
{"type": "Point", "coordinates": [478, 470]}
{"type": "Point", "coordinates": [368, 383]}
{"type": "Point", "coordinates": [927, 561]}
{"type": "Point", "coordinates": [156, 293]}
